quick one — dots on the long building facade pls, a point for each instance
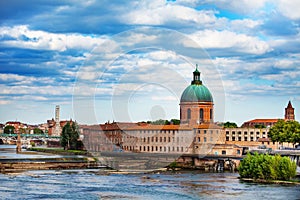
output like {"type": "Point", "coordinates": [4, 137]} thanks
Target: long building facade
{"type": "Point", "coordinates": [196, 134]}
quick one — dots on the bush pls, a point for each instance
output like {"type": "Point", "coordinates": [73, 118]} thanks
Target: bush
{"type": "Point", "coordinates": [32, 144]}
{"type": "Point", "coordinates": [267, 167]}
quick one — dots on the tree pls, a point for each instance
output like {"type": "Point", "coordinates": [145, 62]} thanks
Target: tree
{"type": "Point", "coordinates": [267, 167]}
{"type": "Point", "coordinates": [9, 129]}
{"type": "Point", "coordinates": [259, 126]}
{"type": "Point", "coordinates": [160, 122]}
{"type": "Point", "coordinates": [37, 131]}
{"type": "Point", "coordinates": [285, 131]}
{"type": "Point", "coordinates": [69, 136]}
{"type": "Point", "coordinates": [230, 125]}
{"type": "Point", "coordinates": [175, 121]}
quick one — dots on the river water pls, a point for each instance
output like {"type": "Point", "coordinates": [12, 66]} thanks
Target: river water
{"type": "Point", "coordinates": [101, 184]}
{"type": "Point", "coordinates": [97, 184]}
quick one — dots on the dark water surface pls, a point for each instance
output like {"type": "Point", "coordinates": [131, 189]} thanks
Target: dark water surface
{"type": "Point", "coordinates": [96, 184]}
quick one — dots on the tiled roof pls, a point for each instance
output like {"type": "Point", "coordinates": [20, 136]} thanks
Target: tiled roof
{"type": "Point", "coordinates": [263, 121]}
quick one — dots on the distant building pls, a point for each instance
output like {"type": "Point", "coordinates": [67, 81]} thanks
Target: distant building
{"type": "Point", "coordinates": [289, 112]}
{"type": "Point", "coordinates": [197, 134]}
{"type": "Point", "coordinates": [263, 122]}
{"type": "Point", "coordinates": [288, 116]}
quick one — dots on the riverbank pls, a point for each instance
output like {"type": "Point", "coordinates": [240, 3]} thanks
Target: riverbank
{"type": "Point", "coordinates": [10, 161]}
{"type": "Point", "coordinates": [262, 181]}
{"type": "Point", "coordinates": [59, 151]}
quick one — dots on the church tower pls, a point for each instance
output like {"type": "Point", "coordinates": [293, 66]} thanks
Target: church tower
{"type": "Point", "coordinates": [196, 103]}
{"type": "Point", "coordinates": [289, 112]}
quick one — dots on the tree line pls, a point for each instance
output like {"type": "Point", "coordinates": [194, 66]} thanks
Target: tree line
{"type": "Point", "coordinates": [285, 131]}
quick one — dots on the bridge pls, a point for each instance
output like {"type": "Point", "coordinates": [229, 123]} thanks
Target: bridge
{"type": "Point", "coordinates": [11, 138]}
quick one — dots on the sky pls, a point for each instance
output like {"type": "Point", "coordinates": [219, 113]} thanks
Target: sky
{"type": "Point", "coordinates": [131, 60]}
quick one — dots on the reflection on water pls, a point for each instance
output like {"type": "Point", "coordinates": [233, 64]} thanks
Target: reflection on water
{"type": "Point", "coordinates": [95, 184]}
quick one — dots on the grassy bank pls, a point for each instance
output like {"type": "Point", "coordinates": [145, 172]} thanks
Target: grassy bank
{"type": "Point", "coordinates": [60, 151]}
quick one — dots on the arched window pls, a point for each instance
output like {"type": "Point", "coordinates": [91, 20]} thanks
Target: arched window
{"type": "Point", "coordinates": [201, 115]}
{"type": "Point", "coordinates": [211, 114]}
{"type": "Point", "coordinates": [189, 113]}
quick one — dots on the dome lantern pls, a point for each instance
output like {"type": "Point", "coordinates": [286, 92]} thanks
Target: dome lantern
{"type": "Point", "coordinates": [196, 80]}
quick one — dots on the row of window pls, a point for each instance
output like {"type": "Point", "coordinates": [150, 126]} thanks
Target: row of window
{"type": "Point", "coordinates": [240, 138]}
{"type": "Point", "coordinates": [245, 133]}
{"type": "Point", "coordinates": [157, 149]}
{"type": "Point", "coordinates": [198, 139]}
{"type": "Point", "coordinates": [206, 131]}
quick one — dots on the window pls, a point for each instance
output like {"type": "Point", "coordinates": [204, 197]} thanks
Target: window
{"type": "Point", "coordinates": [189, 113]}
{"type": "Point", "coordinates": [204, 139]}
{"type": "Point", "coordinates": [201, 115]}
{"type": "Point", "coordinates": [211, 114]}
{"type": "Point", "coordinates": [227, 132]}
{"type": "Point", "coordinates": [204, 131]}
{"type": "Point", "coordinates": [245, 133]}
{"type": "Point", "coordinates": [233, 138]}
{"type": "Point", "coordinates": [199, 139]}
{"type": "Point", "coordinates": [240, 138]}
{"type": "Point", "coordinates": [245, 139]}
{"type": "Point", "coordinates": [238, 152]}
{"type": "Point", "coordinates": [223, 152]}
{"type": "Point", "coordinates": [227, 138]}
{"type": "Point", "coordinates": [211, 139]}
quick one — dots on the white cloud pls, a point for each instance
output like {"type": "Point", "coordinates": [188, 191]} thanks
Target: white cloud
{"type": "Point", "coordinates": [289, 8]}
{"type": "Point", "coordinates": [227, 39]}
{"type": "Point", "coordinates": [23, 37]}
{"type": "Point", "coordinates": [159, 13]}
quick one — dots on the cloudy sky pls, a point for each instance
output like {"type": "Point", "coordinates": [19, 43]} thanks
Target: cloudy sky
{"type": "Point", "coordinates": [131, 60]}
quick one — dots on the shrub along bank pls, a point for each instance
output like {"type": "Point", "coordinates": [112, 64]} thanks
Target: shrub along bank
{"type": "Point", "coordinates": [267, 167]}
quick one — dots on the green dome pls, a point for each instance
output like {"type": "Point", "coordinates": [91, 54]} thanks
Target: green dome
{"type": "Point", "coordinates": [196, 93]}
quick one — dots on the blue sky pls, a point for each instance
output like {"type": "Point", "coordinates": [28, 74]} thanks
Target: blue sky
{"type": "Point", "coordinates": [131, 60]}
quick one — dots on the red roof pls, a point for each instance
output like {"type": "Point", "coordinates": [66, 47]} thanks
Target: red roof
{"type": "Point", "coordinates": [263, 121]}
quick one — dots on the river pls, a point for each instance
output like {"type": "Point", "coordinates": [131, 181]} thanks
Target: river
{"type": "Point", "coordinates": [101, 184]}
{"type": "Point", "coordinates": [97, 184]}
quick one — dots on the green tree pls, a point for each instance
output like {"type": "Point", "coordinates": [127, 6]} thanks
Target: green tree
{"type": "Point", "coordinates": [22, 130]}
{"type": "Point", "coordinates": [230, 125]}
{"type": "Point", "coordinates": [37, 131]}
{"type": "Point", "coordinates": [259, 126]}
{"type": "Point", "coordinates": [9, 129]}
{"type": "Point", "coordinates": [70, 135]}
{"type": "Point", "coordinates": [160, 122]}
{"type": "Point", "coordinates": [175, 121]}
{"type": "Point", "coordinates": [285, 131]}
{"type": "Point", "coordinates": [267, 167]}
